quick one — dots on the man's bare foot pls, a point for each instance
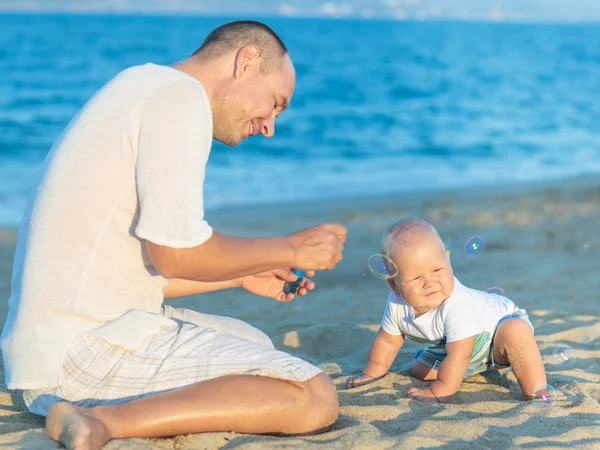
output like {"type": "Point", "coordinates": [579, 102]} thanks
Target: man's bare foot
{"type": "Point", "coordinates": [75, 427]}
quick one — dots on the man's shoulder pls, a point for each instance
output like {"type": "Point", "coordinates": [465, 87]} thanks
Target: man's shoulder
{"type": "Point", "coordinates": [149, 78]}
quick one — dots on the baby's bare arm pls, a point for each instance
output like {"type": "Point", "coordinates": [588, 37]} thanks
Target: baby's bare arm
{"type": "Point", "coordinates": [451, 374]}
{"type": "Point", "coordinates": [383, 352]}
{"type": "Point", "coordinates": [453, 368]}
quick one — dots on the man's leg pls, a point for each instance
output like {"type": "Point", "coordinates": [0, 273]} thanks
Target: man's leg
{"type": "Point", "coordinates": [229, 384]}
{"type": "Point", "coordinates": [240, 403]}
{"type": "Point", "coordinates": [224, 324]}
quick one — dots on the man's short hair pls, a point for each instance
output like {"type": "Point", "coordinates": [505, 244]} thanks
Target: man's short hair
{"type": "Point", "coordinates": [235, 35]}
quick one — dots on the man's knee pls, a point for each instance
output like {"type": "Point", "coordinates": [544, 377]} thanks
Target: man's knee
{"type": "Point", "coordinates": [325, 405]}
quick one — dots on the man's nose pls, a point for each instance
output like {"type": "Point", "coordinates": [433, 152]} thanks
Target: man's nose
{"type": "Point", "coordinates": [267, 127]}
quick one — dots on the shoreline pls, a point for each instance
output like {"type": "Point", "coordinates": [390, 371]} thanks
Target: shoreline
{"type": "Point", "coordinates": [493, 189]}
{"type": "Point", "coordinates": [366, 200]}
{"type": "Point", "coordinates": [475, 191]}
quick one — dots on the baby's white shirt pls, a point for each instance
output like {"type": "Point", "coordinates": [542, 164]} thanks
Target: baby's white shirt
{"type": "Point", "coordinates": [465, 313]}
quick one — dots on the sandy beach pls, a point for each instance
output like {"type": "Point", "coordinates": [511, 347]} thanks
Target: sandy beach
{"type": "Point", "coordinates": [543, 248]}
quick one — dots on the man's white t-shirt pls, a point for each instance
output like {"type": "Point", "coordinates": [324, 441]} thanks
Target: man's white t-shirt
{"type": "Point", "coordinates": [465, 313]}
{"type": "Point", "coordinates": [129, 167]}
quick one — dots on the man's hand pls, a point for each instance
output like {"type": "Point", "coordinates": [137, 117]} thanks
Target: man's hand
{"type": "Point", "coordinates": [270, 284]}
{"type": "Point", "coordinates": [319, 247]}
{"type": "Point", "coordinates": [424, 395]}
{"type": "Point", "coordinates": [360, 380]}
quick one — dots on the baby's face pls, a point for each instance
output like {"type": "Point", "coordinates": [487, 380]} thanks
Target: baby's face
{"type": "Point", "coordinates": [425, 278]}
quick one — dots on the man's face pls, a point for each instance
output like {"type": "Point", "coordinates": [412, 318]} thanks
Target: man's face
{"type": "Point", "coordinates": [253, 101]}
{"type": "Point", "coordinates": [425, 278]}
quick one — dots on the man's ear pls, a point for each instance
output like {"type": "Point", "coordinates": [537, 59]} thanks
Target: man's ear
{"type": "Point", "coordinates": [392, 284]}
{"type": "Point", "coordinates": [246, 58]}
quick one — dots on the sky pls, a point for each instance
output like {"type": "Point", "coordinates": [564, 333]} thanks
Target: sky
{"type": "Point", "coordinates": [484, 10]}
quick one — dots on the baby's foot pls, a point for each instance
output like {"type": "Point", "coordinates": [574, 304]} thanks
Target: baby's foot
{"type": "Point", "coordinates": [545, 395]}
{"type": "Point", "coordinates": [75, 428]}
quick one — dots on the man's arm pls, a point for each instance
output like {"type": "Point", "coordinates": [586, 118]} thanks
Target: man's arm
{"type": "Point", "coordinates": [224, 257]}
{"type": "Point", "coordinates": [182, 288]}
{"type": "Point", "coordinates": [266, 284]}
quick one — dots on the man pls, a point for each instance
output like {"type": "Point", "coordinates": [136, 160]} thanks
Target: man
{"type": "Point", "coordinates": [117, 225]}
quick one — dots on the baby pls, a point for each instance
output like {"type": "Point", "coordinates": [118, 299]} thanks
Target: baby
{"type": "Point", "coordinates": [467, 331]}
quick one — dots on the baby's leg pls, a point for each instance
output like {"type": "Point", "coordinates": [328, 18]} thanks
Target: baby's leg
{"type": "Point", "coordinates": [515, 344]}
{"type": "Point", "coordinates": [422, 372]}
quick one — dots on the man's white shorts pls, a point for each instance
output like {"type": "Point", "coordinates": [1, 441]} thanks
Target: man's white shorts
{"type": "Point", "coordinates": [195, 347]}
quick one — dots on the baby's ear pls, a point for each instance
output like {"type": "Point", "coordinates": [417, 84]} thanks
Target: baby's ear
{"type": "Point", "coordinates": [448, 254]}
{"type": "Point", "coordinates": [392, 284]}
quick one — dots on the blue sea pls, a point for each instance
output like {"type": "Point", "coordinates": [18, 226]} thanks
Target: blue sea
{"type": "Point", "coordinates": [380, 106]}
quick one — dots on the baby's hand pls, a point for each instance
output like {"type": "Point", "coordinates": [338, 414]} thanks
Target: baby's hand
{"type": "Point", "coordinates": [424, 395]}
{"type": "Point", "coordinates": [360, 380]}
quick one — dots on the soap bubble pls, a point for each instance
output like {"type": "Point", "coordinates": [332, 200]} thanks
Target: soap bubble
{"type": "Point", "coordinates": [569, 397]}
{"type": "Point", "coordinates": [474, 246]}
{"type": "Point", "coordinates": [495, 290]}
{"type": "Point", "coordinates": [447, 241]}
{"type": "Point", "coordinates": [563, 356]}
{"type": "Point", "coordinates": [544, 395]}
{"type": "Point", "coordinates": [382, 267]}
{"type": "Point", "coordinates": [584, 340]}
